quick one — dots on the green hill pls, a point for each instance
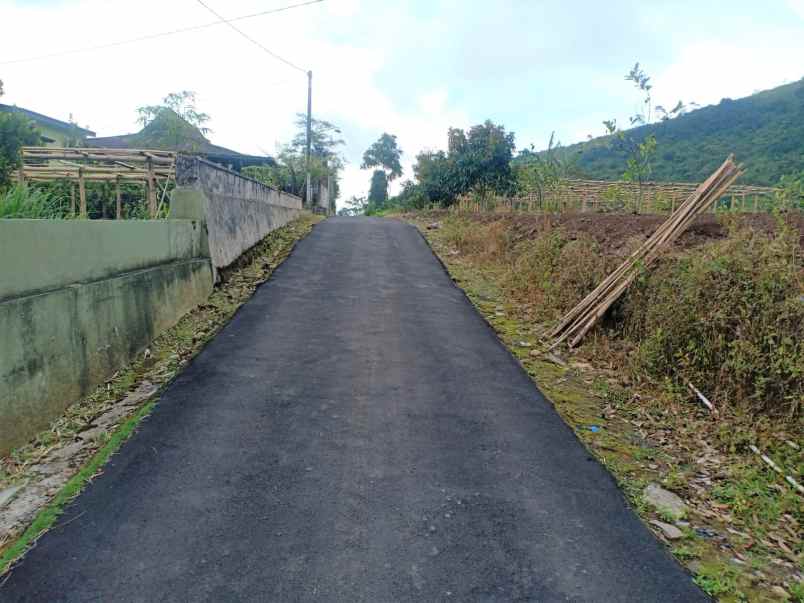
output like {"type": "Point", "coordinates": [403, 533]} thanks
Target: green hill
{"type": "Point", "coordinates": [765, 131]}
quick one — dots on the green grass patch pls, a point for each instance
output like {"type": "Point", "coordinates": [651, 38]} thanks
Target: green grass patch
{"type": "Point", "coordinates": [47, 517]}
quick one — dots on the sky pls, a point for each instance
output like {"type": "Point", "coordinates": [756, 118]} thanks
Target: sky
{"type": "Point", "coordinates": [410, 68]}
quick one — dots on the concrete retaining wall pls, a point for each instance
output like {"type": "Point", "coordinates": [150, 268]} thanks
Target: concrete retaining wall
{"type": "Point", "coordinates": [238, 211]}
{"type": "Point", "coordinates": [79, 299]}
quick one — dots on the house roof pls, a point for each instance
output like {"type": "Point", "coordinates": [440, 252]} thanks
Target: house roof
{"type": "Point", "coordinates": [45, 120]}
{"type": "Point", "coordinates": [169, 132]}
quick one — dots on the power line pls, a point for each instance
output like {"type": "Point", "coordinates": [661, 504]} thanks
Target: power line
{"type": "Point", "coordinates": [250, 39]}
{"type": "Point", "coordinates": [158, 35]}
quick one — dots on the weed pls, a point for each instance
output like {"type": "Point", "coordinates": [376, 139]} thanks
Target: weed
{"type": "Point", "coordinates": [21, 201]}
{"type": "Point", "coordinates": [718, 579]}
{"type": "Point", "coordinates": [686, 552]}
{"type": "Point", "coordinates": [797, 591]}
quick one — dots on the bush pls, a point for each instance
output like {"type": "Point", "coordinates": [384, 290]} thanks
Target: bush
{"type": "Point", "coordinates": [729, 316]}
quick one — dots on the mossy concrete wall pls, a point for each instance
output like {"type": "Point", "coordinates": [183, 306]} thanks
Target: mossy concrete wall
{"type": "Point", "coordinates": [79, 299]}
{"type": "Point", "coordinates": [237, 212]}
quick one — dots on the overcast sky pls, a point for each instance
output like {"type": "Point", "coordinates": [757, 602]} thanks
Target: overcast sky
{"type": "Point", "coordinates": [410, 68]}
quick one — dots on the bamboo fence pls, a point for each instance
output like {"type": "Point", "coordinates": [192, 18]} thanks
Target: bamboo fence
{"type": "Point", "coordinates": [608, 196]}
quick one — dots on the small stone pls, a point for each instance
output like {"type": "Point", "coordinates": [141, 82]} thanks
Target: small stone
{"type": "Point", "coordinates": [112, 416]}
{"type": "Point", "coordinates": [67, 452]}
{"type": "Point", "coordinates": [92, 434]}
{"type": "Point", "coordinates": [665, 501]}
{"type": "Point", "coordinates": [670, 532]}
{"type": "Point", "coordinates": [143, 392]}
{"type": "Point", "coordinates": [7, 494]}
{"type": "Point", "coordinates": [47, 468]}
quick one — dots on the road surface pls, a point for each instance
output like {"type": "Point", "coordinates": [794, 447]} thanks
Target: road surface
{"type": "Point", "coordinates": [356, 433]}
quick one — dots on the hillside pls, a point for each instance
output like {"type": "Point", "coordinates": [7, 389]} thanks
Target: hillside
{"type": "Point", "coordinates": [765, 131]}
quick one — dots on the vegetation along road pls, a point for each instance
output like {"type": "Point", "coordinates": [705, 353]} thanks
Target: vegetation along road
{"type": "Point", "coordinates": [356, 433]}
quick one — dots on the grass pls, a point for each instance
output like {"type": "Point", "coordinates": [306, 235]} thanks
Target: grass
{"type": "Point", "coordinates": [47, 517]}
{"type": "Point", "coordinates": [21, 201]}
{"type": "Point", "coordinates": [649, 428]}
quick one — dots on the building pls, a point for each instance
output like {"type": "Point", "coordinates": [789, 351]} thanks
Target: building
{"type": "Point", "coordinates": [169, 132]}
{"type": "Point", "coordinates": [54, 132]}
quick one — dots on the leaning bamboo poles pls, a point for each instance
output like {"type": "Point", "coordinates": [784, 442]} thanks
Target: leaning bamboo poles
{"type": "Point", "coordinates": [578, 321]}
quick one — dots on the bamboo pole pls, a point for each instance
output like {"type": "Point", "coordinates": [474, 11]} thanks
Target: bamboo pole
{"type": "Point", "coordinates": [151, 189]}
{"type": "Point", "coordinates": [82, 195]}
{"type": "Point", "coordinates": [118, 200]}
{"type": "Point", "coordinates": [577, 322]}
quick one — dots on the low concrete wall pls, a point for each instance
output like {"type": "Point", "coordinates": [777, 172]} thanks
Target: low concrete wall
{"type": "Point", "coordinates": [238, 211]}
{"type": "Point", "coordinates": [79, 299]}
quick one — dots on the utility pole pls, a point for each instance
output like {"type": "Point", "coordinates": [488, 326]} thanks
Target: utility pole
{"type": "Point", "coordinates": [309, 195]}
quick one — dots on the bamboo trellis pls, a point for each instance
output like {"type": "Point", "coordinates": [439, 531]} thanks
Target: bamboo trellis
{"type": "Point", "coordinates": [44, 164]}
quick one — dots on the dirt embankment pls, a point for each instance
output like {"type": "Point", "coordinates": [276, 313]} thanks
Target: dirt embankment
{"type": "Point", "coordinates": [614, 232]}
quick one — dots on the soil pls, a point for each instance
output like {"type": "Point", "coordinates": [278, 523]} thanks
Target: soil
{"type": "Point", "coordinates": [615, 232]}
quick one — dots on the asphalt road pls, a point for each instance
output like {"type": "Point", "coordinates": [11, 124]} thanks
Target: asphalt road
{"type": "Point", "coordinates": [356, 433]}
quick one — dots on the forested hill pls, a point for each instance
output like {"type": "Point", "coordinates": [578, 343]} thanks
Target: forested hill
{"type": "Point", "coordinates": [765, 131]}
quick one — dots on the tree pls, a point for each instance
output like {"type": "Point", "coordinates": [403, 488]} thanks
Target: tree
{"type": "Point", "coordinates": [16, 131]}
{"type": "Point", "coordinates": [325, 141]}
{"type": "Point", "coordinates": [182, 104]}
{"type": "Point", "coordinates": [290, 172]}
{"type": "Point", "coordinates": [479, 159]}
{"type": "Point", "coordinates": [544, 172]}
{"type": "Point", "coordinates": [378, 191]}
{"type": "Point", "coordinates": [355, 206]}
{"type": "Point", "coordinates": [640, 152]}
{"type": "Point", "coordinates": [385, 154]}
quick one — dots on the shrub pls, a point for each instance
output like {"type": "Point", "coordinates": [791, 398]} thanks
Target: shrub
{"type": "Point", "coordinates": [729, 316]}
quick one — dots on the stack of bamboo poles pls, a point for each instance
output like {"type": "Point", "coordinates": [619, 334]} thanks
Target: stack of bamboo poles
{"type": "Point", "coordinates": [578, 321]}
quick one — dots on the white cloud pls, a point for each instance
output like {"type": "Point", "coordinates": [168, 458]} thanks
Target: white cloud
{"type": "Point", "coordinates": [706, 72]}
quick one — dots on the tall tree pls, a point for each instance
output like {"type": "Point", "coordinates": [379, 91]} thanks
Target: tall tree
{"type": "Point", "coordinates": [175, 124]}
{"type": "Point", "coordinates": [385, 154]}
{"type": "Point", "coordinates": [378, 191]}
{"type": "Point", "coordinates": [290, 172]}
{"type": "Point", "coordinates": [325, 139]}
{"type": "Point", "coordinates": [640, 153]}
{"type": "Point", "coordinates": [182, 104]}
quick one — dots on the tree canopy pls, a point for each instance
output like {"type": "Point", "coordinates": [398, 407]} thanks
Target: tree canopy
{"type": "Point", "coordinates": [16, 131]}
{"type": "Point", "coordinates": [385, 154]}
{"type": "Point", "coordinates": [290, 172]}
{"type": "Point", "coordinates": [378, 191]}
{"type": "Point", "coordinates": [325, 140]}
{"type": "Point", "coordinates": [479, 159]}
